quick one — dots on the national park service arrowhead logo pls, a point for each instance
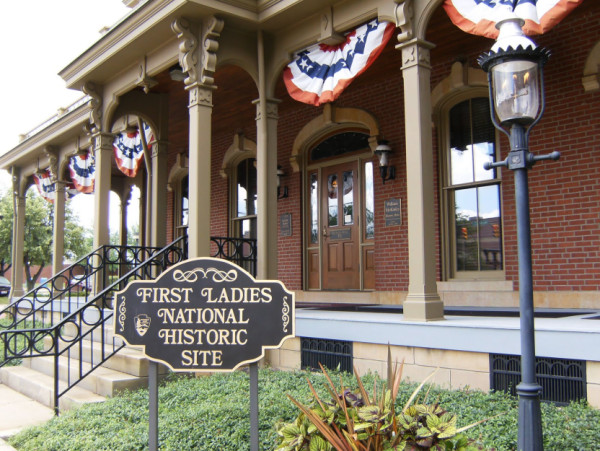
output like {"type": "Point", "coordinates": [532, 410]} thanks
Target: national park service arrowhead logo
{"type": "Point", "coordinates": [142, 324]}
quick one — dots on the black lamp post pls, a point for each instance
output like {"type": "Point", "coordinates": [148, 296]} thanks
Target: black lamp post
{"type": "Point", "coordinates": [515, 76]}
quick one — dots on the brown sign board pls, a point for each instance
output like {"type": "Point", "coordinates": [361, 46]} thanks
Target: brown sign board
{"type": "Point", "coordinates": [205, 314]}
{"type": "Point", "coordinates": [392, 212]}
{"type": "Point", "coordinates": [285, 224]}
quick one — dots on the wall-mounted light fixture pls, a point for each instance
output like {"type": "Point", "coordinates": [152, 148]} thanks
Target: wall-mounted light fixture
{"type": "Point", "coordinates": [383, 151]}
{"type": "Point", "coordinates": [280, 174]}
{"type": "Point", "coordinates": [176, 73]}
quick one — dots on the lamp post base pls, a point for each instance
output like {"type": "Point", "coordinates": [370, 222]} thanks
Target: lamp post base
{"type": "Point", "coordinates": [530, 418]}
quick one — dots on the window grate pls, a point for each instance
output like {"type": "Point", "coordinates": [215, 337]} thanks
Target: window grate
{"type": "Point", "coordinates": [332, 354]}
{"type": "Point", "coordinates": [562, 380]}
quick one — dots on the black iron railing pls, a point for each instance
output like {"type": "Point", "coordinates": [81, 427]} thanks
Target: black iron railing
{"type": "Point", "coordinates": [241, 251]}
{"type": "Point", "coordinates": [71, 288]}
{"type": "Point", "coordinates": [53, 321]}
{"type": "Point", "coordinates": [64, 337]}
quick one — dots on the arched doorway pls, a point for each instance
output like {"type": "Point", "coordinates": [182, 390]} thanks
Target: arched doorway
{"type": "Point", "coordinates": [340, 225]}
{"type": "Point", "coordinates": [335, 151]}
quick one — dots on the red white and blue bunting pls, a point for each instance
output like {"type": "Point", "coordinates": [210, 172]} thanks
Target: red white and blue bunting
{"type": "Point", "coordinates": [83, 172]}
{"type": "Point", "coordinates": [321, 72]}
{"type": "Point", "coordinates": [480, 16]}
{"type": "Point", "coordinates": [129, 150]}
{"type": "Point", "coordinates": [47, 186]}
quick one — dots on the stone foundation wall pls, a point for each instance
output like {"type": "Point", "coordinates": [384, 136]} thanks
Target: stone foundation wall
{"type": "Point", "coordinates": [455, 369]}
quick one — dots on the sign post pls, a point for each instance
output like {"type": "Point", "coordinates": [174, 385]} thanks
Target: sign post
{"type": "Point", "coordinates": [205, 315]}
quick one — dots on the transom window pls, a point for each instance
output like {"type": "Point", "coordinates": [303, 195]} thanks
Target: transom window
{"type": "Point", "coordinates": [472, 193]}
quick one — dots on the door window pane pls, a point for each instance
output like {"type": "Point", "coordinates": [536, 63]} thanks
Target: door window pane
{"type": "Point", "coordinates": [332, 200]}
{"type": "Point", "coordinates": [348, 198]}
{"type": "Point", "coordinates": [314, 209]}
{"type": "Point", "coordinates": [369, 202]}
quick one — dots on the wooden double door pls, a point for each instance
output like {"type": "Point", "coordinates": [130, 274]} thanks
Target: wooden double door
{"type": "Point", "coordinates": [335, 255]}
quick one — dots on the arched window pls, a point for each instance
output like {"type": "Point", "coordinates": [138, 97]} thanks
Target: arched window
{"type": "Point", "coordinates": [184, 202]}
{"type": "Point", "coordinates": [471, 195]}
{"type": "Point", "coordinates": [179, 185]}
{"type": "Point", "coordinates": [245, 200]}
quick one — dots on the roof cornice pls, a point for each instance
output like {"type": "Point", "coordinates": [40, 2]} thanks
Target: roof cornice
{"type": "Point", "coordinates": [55, 134]}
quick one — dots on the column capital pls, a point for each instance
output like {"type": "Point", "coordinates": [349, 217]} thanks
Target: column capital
{"type": "Point", "coordinates": [61, 186]}
{"type": "Point", "coordinates": [272, 108]}
{"type": "Point", "coordinates": [415, 53]}
{"type": "Point", "coordinates": [200, 95]}
{"type": "Point", "coordinates": [159, 147]}
{"type": "Point", "coordinates": [103, 141]}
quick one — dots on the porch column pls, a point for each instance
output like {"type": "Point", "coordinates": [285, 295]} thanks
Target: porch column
{"type": "Point", "coordinates": [422, 302]}
{"type": "Point", "coordinates": [58, 237]}
{"type": "Point", "coordinates": [200, 112]}
{"type": "Point", "coordinates": [159, 194]}
{"type": "Point", "coordinates": [19, 205]}
{"type": "Point", "coordinates": [149, 222]}
{"type": "Point", "coordinates": [266, 188]}
{"type": "Point", "coordinates": [125, 198]}
{"type": "Point", "coordinates": [103, 149]}
{"type": "Point", "coordinates": [199, 63]}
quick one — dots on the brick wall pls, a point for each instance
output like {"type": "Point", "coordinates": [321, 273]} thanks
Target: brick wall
{"type": "Point", "coordinates": [564, 196]}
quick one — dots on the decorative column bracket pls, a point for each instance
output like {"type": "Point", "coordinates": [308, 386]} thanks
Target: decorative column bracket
{"type": "Point", "coordinates": [199, 64]}
{"type": "Point", "coordinates": [145, 81]}
{"type": "Point", "coordinates": [95, 125]}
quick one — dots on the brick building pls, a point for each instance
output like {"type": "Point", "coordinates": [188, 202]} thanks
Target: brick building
{"type": "Point", "coordinates": [405, 261]}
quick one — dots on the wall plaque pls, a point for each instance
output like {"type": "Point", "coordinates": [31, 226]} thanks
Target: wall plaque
{"type": "Point", "coordinates": [285, 224]}
{"type": "Point", "coordinates": [392, 212]}
{"type": "Point", "coordinates": [205, 314]}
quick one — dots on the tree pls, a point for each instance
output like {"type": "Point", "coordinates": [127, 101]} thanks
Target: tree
{"type": "Point", "coordinates": [6, 215]}
{"type": "Point", "coordinates": [37, 248]}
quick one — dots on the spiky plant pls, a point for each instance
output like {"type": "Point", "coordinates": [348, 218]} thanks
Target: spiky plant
{"type": "Point", "coordinates": [355, 421]}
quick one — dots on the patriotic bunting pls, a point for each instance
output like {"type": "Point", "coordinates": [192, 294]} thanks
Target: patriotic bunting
{"type": "Point", "coordinates": [321, 72]}
{"type": "Point", "coordinates": [129, 151]}
{"type": "Point", "coordinates": [83, 173]}
{"type": "Point", "coordinates": [45, 185]}
{"type": "Point", "coordinates": [480, 16]}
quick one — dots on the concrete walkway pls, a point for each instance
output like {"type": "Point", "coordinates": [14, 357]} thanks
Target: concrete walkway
{"type": "Point", "coordinates": [18, 412]}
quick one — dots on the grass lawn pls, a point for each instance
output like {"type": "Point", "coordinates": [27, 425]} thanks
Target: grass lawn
{"type": "Point", "coordinates": [212, 413]}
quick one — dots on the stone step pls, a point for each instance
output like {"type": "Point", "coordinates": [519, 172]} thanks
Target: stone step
{"type": "Point", "coordinates": [40, 387]}
{"type": "Point", "coordinates": [102, 381]}
{"type": "Point", "coordinates": [70, 330]}
{"type": "Point", "coordinates": [128, 360]}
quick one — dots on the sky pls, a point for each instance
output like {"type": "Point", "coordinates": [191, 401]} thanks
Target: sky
{"type": "Point", "coordinates": [38, 38]}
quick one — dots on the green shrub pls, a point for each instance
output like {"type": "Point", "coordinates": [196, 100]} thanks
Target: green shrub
{"type": "Point", "coordinates": [212, 413]}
